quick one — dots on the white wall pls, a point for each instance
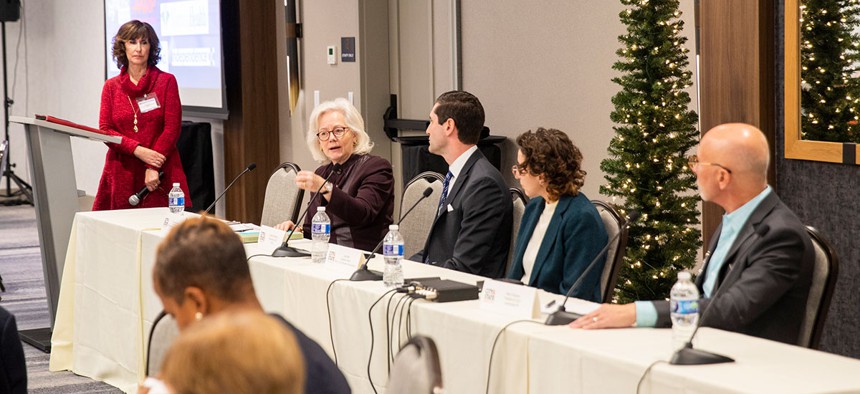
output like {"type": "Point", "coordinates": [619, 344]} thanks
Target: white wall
{"type": "Point", "coordinates": [61, 73]}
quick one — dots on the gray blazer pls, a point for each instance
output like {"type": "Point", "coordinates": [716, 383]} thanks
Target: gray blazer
{"type": "Point", "coordinates": [474, 235]}
{"type": "Point", "coordinates": [763, 286]}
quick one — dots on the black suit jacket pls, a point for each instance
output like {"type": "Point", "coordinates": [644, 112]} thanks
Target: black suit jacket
{"type": "Point", "coordinates": [321, 374]}
{"type": "Point", "coordinates": [763, 286]}
{"type": "Point", "coordinates": [474, 234]}
{"type": "Point", "coordinates": [13, 370]}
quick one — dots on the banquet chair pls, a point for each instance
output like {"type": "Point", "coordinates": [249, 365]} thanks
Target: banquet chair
{"type": "Point", "coordinates": [283, 198]}
{"type": "Point", "coordinates": [614, 223]}
{"type": "Point", "coordinates": [164, 331]}
{"type": "Point", "coordinates": [416, 368]}
{"type": "Point", "coordinates": [519, 200]}
{"type": "Point", "coordinates": [824, 274]}
{"type": "Point", "coordinates": [415, 227]}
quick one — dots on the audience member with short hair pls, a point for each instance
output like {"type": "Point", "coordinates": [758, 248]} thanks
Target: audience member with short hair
{"type": "Point", "coordinates": [561, 231]}
{"type": "Point", "coordinates": [758, 268]}
{"type": "Point", "coordinates": [245, 352]}
{"type": "Point", "coordinates": [472, 228]}
{"type": "Point", "coordinates": [359, 199]}
{"type": "Point", "coordinates": [201, 269]}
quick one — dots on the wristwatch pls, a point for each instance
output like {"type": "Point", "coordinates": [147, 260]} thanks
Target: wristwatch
{"type": "Point", "coordinates": [327, 188]}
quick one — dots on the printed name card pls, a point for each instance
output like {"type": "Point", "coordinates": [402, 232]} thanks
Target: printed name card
{"type": "Point", "coordinates": [271, 238]}
{"type": "Point", "coordinates": [171, 220]}
{"type": "Point", "coordinates": [510, 299]}
{"type": "Point", "coordinates": [344, 255]}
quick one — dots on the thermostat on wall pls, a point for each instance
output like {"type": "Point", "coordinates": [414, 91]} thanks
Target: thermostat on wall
{"type": "Point", "coordinates": [331, 52]}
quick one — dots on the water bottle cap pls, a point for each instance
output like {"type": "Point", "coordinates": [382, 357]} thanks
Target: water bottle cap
{"type": "Point", "coordinates": [393, 227]}
{"type": "Point", "coordinates": [320, 209]}
{"type": "Point", "coordinates": [175, 184]}
{"type": "Point", "coordinates": [684, 275]}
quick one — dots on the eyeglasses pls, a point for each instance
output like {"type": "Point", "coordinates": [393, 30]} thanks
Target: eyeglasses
{"type": "Point", "coordinates": [518, 170]}
{"type": "Point", "coordinates": [693, 161]}
{"type": "Point", "coordinates": [338, 132]}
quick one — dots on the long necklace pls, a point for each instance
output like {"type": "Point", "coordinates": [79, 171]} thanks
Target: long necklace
{"type": "Point", "coordinates": [133, 110]}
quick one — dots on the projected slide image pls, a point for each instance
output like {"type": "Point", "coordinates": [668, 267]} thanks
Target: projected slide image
{"type": "Point", "coordinates": [190, 35]}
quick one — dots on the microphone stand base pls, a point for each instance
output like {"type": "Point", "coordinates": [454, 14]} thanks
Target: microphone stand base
{"type": "Point", "coordinates": [286, 251]}
{"type": "Point", "coordinates": [364, 274]}
{"type": "Point", "coordinates": [559, 318]}
{"type": "Point", "coordinates": [690, 356]}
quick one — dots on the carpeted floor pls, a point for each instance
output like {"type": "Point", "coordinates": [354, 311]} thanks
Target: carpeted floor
{"type": "Point", "coordinates": [21, 268]}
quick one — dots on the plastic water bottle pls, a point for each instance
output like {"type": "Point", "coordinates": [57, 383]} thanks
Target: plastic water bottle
{"type": "Point", "coordinates": [176, 199]}
{"type": "Point", "coordinates": [684, 310]}
{"type": "Point", "coordinates": [392, 250]}
{"type": "Point", "coordinates": [320, 234]}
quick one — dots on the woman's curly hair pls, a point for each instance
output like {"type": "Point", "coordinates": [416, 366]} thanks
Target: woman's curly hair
{"type": "Point", "coordinates": [550, 153]}
{"type": "Point", "coordinates": [131, 30]}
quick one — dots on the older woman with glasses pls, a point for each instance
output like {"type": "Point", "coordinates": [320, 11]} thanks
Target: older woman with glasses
{"type": "Point", "coordinates": [359, 199]}
{"type": "Point", "coordinates": [561, 231]}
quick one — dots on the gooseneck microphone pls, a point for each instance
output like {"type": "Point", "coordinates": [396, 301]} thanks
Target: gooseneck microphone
{"type": "Point", "coordinates": [138, 197]}
{"type": "Point", "coordinates": [285, 250]}
{"type": "Point", "coordinates": [561, 316]}
{"type": "Point", "coordinates": [362, 273]}
{"type": "Point", "coordinates": [248, 169]}
{"type": "Point", "coordinates": [687, 355]}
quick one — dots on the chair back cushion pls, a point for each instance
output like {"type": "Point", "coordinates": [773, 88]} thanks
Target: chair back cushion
{"type": "Point", "coordinates": [283, 197]}
{"type": "Point", "coordinates": [614, 224]}
{"type": "Point", "coordinates": [415, 227]}
{"type": "Point", "coordinates": [164, 331]}
{"type": "Point", "coordinates": [820, 291]}
{"type": "Point", "coordinates": [416, 368]}
{"type": "Point", "coordinates": [519, 200]}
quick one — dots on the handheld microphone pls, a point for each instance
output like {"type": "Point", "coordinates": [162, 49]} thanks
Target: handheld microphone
{"type": "Point", "coordinates": [687, 355]}
{"type": "Point", "coordinates": [248, 169]}
{"type": "Point", "coordinates": [285, 250]}
{"type": "Point", "coordinates": [362, 273]}
{"type": "Point", "coordinates": [138, 197]}
{"type": "Point", "coordinates": [561, 316]}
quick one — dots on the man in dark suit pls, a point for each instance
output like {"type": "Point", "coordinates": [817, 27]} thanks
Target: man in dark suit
{"type": "Point", "coordinates": [757, 275]}
{"type": "Point", "coordinates": [472, 228]}
{"type": "Point", "coordinates": [13, 369]}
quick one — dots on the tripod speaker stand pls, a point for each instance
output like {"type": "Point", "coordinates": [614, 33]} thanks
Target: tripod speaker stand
{"type": "Point", "coordinates": [10, 12]}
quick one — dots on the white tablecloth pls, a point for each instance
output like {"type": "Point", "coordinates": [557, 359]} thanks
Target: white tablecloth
{"type": "Point", "coordinates": [107, 305]}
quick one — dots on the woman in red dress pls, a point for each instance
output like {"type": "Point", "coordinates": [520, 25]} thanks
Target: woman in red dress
{"type": "Point", "coordinates": [142, 106]}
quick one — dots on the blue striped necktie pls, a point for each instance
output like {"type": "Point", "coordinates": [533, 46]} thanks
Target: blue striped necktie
{"type": "Point", "coordinates": [444, 196]}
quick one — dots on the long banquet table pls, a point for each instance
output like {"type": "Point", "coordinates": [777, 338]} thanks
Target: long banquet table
{"type": "Point", "coordinates": [107, 306]}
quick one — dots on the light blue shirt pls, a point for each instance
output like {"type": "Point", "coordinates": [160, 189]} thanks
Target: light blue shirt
{"type": "Point", "coordinates": [646, 313]}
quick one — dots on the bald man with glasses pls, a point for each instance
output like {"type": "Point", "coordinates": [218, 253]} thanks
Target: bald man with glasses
{"type": "Point", "coordinates": [758, 268]}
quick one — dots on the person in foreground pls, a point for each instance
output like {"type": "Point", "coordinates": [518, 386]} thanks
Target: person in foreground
{"type": "Point", "coordinates": [201, 269]}
{"type": "Point", "coordinates": [360, 199]}
{"type": "Point", "coordinates": [472, 229]}
{"type": "Point", "coordinates": [241, 353]}
{"type": "Point", "coordinates": [142, 106]}
{"type": "Point", "coordinates": [757, 278]}
{"type": "Point", "coordinates": [13, 368]}
{"type": "Point", "coordinates": [561, 231]}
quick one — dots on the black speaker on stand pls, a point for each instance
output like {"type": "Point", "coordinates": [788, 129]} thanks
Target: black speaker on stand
{"type": "Point", "coordinates": [10, 11]}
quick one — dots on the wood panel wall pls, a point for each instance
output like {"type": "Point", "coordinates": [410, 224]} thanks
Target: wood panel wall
{"type": "Point", "coordinates": [251, 131]}
{"type": "Point", "coordinates": [736, 74]}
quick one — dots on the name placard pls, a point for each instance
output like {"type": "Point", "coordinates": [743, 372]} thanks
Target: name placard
{"type": "Point", "coordinates": [271, 237]}
{"type": "Point", "coordinates": [170, 221]}
{"type": "Point", "coordinates": [344, 255]}
{"type": "Point", "coordinates": [510, 299]}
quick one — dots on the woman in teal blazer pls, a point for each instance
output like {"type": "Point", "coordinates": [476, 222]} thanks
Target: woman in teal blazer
{"type": "Point", "coordinates": [561, 231]}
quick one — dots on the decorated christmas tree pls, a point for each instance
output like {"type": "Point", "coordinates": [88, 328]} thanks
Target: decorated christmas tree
{"type": "Point", "coordinates": [647, 166]}
{"type": "Point", "coordinates": [830, 92]}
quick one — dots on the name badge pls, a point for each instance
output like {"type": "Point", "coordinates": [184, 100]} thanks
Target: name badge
{"type": "Point", "coordinates": [510, 299]}
{"type": "Point", "coordinates": [344, 255]}
{"type": "Point", "coordinates": [148, 103]}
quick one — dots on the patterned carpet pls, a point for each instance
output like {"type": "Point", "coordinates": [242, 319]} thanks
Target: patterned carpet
{"type": "Point", "coordinates": [21, 268]}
